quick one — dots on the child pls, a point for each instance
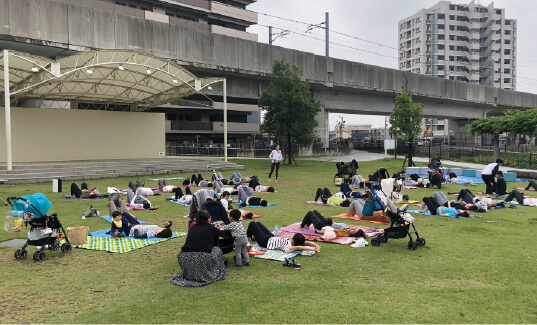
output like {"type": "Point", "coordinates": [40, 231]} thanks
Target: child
{"type": "Point", "coordinates": [118, 228]}
{"type": "Point", "coordinates": [237, 231]}
{"type": "Point", "coordinates": [225, 200]}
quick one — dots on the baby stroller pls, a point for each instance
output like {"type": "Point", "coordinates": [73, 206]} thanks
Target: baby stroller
{"type": "Point", "coordinates": [400, 223]}
{"type": "Point", "coordinates": [346, 171]}
{"type": "Point", "coordinates": [378, 176]}
{"type": "Point", "coordinates": [45, 232]}
{"type": "Point", "coordinates": [436, 172]}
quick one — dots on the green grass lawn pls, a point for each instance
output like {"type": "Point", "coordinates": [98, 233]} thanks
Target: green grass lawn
{"type": "Point", "coordinates": [470, 271]}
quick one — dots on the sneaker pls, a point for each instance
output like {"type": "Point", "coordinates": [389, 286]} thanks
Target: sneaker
{"type": "Point", "coordinates": [403, 208]}
{"type": "Point", "coordinates": [512, 206]}
{"type": "Point", "coordinates": [237, 265]}
{"type": "Point", "coordinates": [247, 264]}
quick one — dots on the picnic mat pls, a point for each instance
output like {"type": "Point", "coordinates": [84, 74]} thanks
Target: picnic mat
{"type": "Point", "coordinates": [172, 199]}
{"type": "Point", "coordinates": [410, 187]}
{"type": "Point", "coordinates": [275, 255]}
{"type": "Point", "coordinates": [310, 234]}
{"type": "Point", "coordinates": [109, 219]}
{"type": "Point", "coordinates": [408, 202]}
{"type": "Point", "coordinates": [89, 199]}
{"type": "Point", "coordinates": [428, 213]}
{"type": "Point", "coordinates": [257, 206]}
{"type": "Point", "coordinates": [326, 205]}
{"type": "Point", "coordinates": [167, 179]}
{"type": "Point", "coordinates": [121, 245]}
{"type": "Point", "coordinates": [523, 189]}
{"type": "Point", "coordinates": [357, 218]}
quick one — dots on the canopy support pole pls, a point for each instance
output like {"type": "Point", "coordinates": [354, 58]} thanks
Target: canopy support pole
{"type": "Point", "coordinates": [7, 108]}
{"type": "Point", "coordinates": [225, 119]}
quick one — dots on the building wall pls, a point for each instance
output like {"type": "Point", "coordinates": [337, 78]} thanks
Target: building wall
{"type": "Point", "coordinates": [66, 134]}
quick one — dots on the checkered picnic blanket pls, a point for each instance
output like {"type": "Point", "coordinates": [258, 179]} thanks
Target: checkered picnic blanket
{"type": "Point", "coordinates": [122, 245]}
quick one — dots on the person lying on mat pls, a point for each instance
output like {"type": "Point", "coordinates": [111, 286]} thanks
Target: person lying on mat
{"type": "Point", "coordinates": [151, 231]}
{"type": "Point", "coordinates": [139, 189]}
{"type": "Point", "coordinates": [137, 200]}
{"type": "Point", "coordinates": [442, 200]}
{"type": "Point", "coordinates": [435, 209]}
{"type": "Point", "coordinates": [532, 184]}
{"type": "Point", "coordinates": [346, 190]}
{"type": "Point", "coordinates": [316, 219]}
{"type": "Point", "coordinates": [327, 198]}
{"type": "Point", "coordinates": [258, 232]}
{"type": "Point", "coordinates": [465, 195]}
{"type": "Point", "coordinates": [415, 180]}
{"type": "Point", "coordinates": [258, 187]}
{"type": "Point", "coordinates": [245, 214]}
{"type": "Point", "coordinates": [247, 197]}
{"type": "Point", "coordinates": [122, 222]}
{"type": "Point", "coordinates": [458, 181]}
{"type": "Point", "coordinates": [199, 181]}
{"type": "Point", "coordinates": [520, 198]}
{"type": "Point", "coordinates": [359, 181]}
{"type": "Point", "coordinates": [83, 192]}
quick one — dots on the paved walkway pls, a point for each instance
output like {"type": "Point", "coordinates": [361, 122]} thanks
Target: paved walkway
{"type": "Point", "coordinates": [369, 156]}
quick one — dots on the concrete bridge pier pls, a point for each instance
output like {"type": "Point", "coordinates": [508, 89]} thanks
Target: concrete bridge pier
{"type": "Point", "coordinates": [323, 127]}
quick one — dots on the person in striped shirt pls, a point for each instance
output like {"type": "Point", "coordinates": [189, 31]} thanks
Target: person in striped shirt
{"type": "Point", "coordinates": [258, 232]}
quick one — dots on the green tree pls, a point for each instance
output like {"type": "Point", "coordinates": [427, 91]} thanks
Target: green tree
{"type": "Point", "coordinates": [405, 121]}
{"type": "Point", "coordinates": [289, 107]}
{"type": "Point", "coordinates": [516, 121]}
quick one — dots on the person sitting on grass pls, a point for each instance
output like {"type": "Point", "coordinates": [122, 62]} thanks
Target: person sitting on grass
{"type": "Point", "coordinates": [327, 198]}
{"type": "Point", "coordinates": [224, 199]}
{"type": "Point", "coordinates": [258, 232]}
{"type": "Point", "coordinates": [501, 185]}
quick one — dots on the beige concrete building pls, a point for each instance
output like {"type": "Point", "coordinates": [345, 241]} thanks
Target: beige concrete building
{"type": "Point", "coordinates": [464, 42]}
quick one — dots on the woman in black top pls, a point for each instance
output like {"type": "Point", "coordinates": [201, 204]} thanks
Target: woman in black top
{"type": "Point", "coordinates": [200, 259]}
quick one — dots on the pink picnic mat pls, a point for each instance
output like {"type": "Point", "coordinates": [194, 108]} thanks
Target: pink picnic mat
{"type": "Point", "coordinates": [523, 189]}
{"type": "Point", "coordinates": [357, 218]}
{"type": "Point", "coordinates": [326, 205]}
{"type": "Point", "coordinates": [310, 234]}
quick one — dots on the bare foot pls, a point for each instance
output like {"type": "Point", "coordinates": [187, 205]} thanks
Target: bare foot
{"type": "Point", "coordinates": [300, 228]}
{"type": "Point", "coordinates": [276, 181]}
{"type": "Point", "coordinates": [269, 180]}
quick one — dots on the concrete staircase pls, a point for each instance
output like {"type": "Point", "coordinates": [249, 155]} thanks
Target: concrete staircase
{"type": "Point", "coordinates": [81, 170]}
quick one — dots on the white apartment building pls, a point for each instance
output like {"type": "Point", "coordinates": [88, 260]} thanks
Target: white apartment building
{"type": "Point", "coordinates": [471, 43]}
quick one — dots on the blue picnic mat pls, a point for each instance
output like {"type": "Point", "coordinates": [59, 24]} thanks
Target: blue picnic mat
{"type": "Point", "coordinates": [103, 233]}
{"type": "Point", "coordinates": [109, 219]}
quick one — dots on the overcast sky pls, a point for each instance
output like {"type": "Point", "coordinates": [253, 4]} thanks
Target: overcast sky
{"type": "Point", "coordinates": [376, 21]}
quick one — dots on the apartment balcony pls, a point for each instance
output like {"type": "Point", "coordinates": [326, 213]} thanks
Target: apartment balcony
{"type": "Point", "coordinates": [221, 9]}
{"type": "Point", "coordinates": [233, 33]}
{"type": "Point", "coordinates": [233, 127]}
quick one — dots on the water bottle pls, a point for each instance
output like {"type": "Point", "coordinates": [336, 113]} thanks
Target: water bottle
{"type": "Point", "coordinates": [83, 214]}
{"type": "Point", "coordinates": [276, 230]}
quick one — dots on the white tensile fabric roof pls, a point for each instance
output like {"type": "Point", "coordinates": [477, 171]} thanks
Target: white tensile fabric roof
{"type": "Point", "coordinates": [104, 76]}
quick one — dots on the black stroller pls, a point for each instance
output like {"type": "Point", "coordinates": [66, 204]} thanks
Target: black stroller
{"type": "Point", "coordinates": [378, 176]}
{"type": "Point", "coordinates": [346, 171]}
{"type": "Point", "coordinates": [46, 231]}
{"type": "Point", "coordinates": [400, 223]}
{"type": "Point", "coordinates": [436, 172]}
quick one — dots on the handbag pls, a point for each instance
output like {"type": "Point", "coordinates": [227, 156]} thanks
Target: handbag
{"type": "Point", "coordinates": [78, 235]}
{"type": "Point", "coordinates": [369, 207]}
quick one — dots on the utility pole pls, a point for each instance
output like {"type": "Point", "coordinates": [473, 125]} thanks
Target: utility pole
{"type": "Point", "coordinates": [270, 35]}
{"type": "Point", "coordinates": [327, 35]}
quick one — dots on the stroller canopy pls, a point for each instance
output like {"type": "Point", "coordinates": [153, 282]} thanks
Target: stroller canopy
{"type": "Point", "coordinates": [38, 204]}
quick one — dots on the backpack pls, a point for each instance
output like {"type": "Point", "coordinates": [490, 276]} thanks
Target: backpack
{"type": "Point", "coordinates": [255, 178]}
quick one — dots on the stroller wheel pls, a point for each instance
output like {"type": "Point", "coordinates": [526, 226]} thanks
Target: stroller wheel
{"type": "Point", "coordinates": [384, 238]}
{"type": "Point", "coordinates": [421, 241]}
{"type": "Point", "coordinates": [412, 245]}
{"type": "Point", "coordinates": [439, 184]}
{"type": "Point", "coordinates": [375, 241]}
{"type": "Point", "coordinates": [55, 246]}
{"type": "Point", "coordinates": [18, 254]}
{"type": "Point", "coordinates": [66, 248]}
{"type": "Point", "coordinates": [24, 255]}
{"type": "Point", "coordinates": [39, 256]}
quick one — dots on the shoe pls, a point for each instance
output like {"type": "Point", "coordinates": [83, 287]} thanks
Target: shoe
{"type": "Point", "coordinates": [237, 265]}
{"type": "Point", "coordinates": [512, 206]}
{"type": "Point", "coordinates": [527, 188]}
{"type": "Point", "coordinates": [247, 264]}
{"type": "Point", "coordinates": [293, 265]}
{"type": "Point", "coordinates": [403, 208]}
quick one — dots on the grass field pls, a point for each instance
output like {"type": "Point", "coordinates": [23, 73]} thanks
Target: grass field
{"type": "Point", "coordinates": [470, 271]}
